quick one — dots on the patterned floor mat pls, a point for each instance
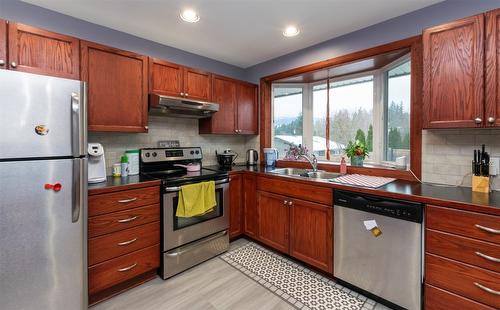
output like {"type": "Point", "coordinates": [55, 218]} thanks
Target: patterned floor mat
{"type": "Point", "coordinates": [300, 286]}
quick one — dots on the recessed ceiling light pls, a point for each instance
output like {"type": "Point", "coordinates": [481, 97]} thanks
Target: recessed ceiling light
{"type": "Point", "coordinates": [190, 16]}
{"type": "Point", "coordinates": [291, 31]}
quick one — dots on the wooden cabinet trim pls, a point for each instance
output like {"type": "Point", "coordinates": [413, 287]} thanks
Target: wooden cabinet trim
{"type": "Point", "coordinates": [476, 98]}
{"type": "Point", "coordinates": [14, 49]}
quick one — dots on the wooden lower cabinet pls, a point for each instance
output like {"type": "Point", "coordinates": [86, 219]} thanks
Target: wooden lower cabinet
{"type": "Point", "coordinates": [311, 234]}
{"type": "Point", "coordinates": [274, 223]}
{"type": "Point", "coordinates": [438, 299]}
{"type": "Point", "coordinates": [300, 228]}
{"type": "Point", "coordinates": [124, 240]}
{"type": "Point", "coordinates": [235, 206]}
{"type": "Point", "coordinates": [250, 212]}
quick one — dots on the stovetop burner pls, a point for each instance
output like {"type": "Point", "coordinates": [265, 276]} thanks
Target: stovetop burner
{"type": "Point", "coordinates": [159, 163]}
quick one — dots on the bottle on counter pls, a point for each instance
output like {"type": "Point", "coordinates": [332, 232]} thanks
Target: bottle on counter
{"type": "Point", "coordinates": [133, 161]}
{"type": "Point", "coordinates": [343, 166]}
{"type": "Point", "coordinates": [117, 170]}
{"type": "Point", "coordinates": [124, 165]}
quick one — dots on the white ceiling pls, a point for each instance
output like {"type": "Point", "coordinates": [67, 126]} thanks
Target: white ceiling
{"type": "Point", "coordinates": [238, 32]}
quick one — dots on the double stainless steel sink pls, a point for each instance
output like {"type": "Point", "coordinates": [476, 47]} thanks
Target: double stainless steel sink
{"type": "Point", "coordinates": [306, 173]}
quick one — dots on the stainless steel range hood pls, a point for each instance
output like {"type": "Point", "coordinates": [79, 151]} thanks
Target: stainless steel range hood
{"type": "Point", "coordinates": [180, 107]}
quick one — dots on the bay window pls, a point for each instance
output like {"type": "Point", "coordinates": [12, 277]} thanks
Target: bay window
{"type": "Point", "coordinates": [371, 106]}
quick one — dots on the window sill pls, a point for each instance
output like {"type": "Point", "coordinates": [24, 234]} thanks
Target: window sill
{"type": "Point", "coordinates": [368, 169]}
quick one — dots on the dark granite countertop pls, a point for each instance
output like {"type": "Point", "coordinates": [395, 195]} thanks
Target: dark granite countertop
{"type": "Point", "coordinates": [443, 195]}
{"type": "Point", "coordinates": [113, 184]}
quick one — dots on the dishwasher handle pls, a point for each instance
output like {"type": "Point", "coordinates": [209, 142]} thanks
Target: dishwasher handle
{"type": "Point", "coordinates": [400, 209]}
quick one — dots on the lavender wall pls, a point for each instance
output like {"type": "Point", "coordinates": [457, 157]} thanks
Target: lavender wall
{"type": "Point", "coordinates": [36, 16]}
{"type": "Point", "coordinates": [391, 30]}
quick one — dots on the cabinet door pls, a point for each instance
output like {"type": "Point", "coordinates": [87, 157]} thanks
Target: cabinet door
{"type": "Point", "coordinates": [223, 121]}
{"type": "Point", "coordinates": [251, 216]}
{"type": "Point", "coordinates": [453, 74]}
{"type": "Point", "coordinates": [3, 44]}
{"type": "Point", "coordinates": [235, 206]}
{"type": "Point", "coordinates": [311, 234]}
{"type": "Point", "coordinates": [117, 88]}
{"type": "Point", "coordinates": [39, 51]}
{"type": "Point", "coordinates": [492, 88]}
{"type": "Point", "coordinates": [274, 220]}
{"type": "Point", "coordinates": [247, 118]}
{"type": "Point", "coordinates": [197, 84]}
{"type": "Point", "coordinates": [165, 78]}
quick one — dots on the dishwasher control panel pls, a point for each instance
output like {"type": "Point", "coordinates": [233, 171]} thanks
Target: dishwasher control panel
{"type": "Point", "coordinates": [404, 210]}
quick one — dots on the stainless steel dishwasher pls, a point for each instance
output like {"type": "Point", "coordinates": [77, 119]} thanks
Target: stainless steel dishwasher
{"type": "Point", "coordinates": [378, 247]}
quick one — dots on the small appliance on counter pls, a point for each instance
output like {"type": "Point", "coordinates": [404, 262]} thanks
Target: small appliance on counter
{"type": "Point", "coordinates": [96, 163]}
{"type": "Point", "coordinates": [271, 156]}
{"type": "Point", "coordinates": [252, 157]}
{"type": "Point", "coordinates": [226, 158]}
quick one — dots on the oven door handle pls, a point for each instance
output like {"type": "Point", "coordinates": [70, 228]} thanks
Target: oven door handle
{"type": "Point", "coordinates": [183, 250]}
{"type": "Point", "coordinates": [178, 188]}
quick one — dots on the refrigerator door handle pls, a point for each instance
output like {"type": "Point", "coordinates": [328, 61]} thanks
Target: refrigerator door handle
{"type": "Point", "coordinates": [79, 188]}
{"type": "Point", "coordinates": [79, 122]}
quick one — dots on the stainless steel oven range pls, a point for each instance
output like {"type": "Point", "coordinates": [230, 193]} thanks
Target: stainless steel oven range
{"type": "Point", "coordinates": [187, 241]}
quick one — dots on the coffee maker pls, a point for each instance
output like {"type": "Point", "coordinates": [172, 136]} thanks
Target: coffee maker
{"type": "Point", "coordinates": [97, 163]}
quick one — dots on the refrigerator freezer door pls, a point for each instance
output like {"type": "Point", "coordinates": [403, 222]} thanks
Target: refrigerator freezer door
{"type": "Point", "coordinates": [43, 252]}
{"type": "Point", "coordinates": [41, 116]}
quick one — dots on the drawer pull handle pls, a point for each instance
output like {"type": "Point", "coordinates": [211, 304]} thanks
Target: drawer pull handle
{"type": "Point", "coordinates": [487, 289]}
{"type": "Point", "coordinates": [490, 258]}
{"type": "Point", "coordinates": [130, 219]}
{"type": "Point", "coordinates": [127, 268]}
{"type": "Point", "coordinates": [127, 200]}
{"type": "Point", "coordinates": [132, 241]}
{"type": "Point", "coordinates": [490, 230]}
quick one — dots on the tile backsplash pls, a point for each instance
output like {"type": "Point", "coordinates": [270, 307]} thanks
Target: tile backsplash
{"type": "Point", "coordinates": [166, 128]}
{"type": "Point", "coordinates": [447, 154]}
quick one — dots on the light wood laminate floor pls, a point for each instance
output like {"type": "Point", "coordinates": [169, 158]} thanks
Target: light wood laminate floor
{"type": "Point", "coordinates": [211, 285]}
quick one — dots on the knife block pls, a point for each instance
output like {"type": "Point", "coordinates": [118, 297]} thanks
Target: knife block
{"type": "Point", "coordinates": [480, 184]}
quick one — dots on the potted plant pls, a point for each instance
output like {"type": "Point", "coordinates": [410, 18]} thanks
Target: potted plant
{"type": "Point", "coordinates": [357, 152]}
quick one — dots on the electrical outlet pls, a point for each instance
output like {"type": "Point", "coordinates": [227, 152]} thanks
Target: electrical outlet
{"type": "Point", "coordinates": [494, 165]}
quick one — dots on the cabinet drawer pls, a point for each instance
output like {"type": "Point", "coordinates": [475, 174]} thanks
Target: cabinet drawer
{"type": "Point", "coordinates": [295, 189]}
{"type": "Point", "coordinates": [468, 224]}
{"type": "Point", "coordinates": [123, 268]}
{"type": "Point", "coordinates": [126, 241]}
{"type": "Point", "coordinates": [438, 299]}
{"type": "Point", "coordinates": [107, 203]}
{"type": "Point", "coordinates": [116, 221]}
{"type": "Point", "coordinates": [463, 279]}
{"type": "Point", "coordinates": [471, 251]}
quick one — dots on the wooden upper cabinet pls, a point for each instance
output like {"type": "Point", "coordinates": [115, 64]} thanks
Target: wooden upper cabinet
{"type": "Point", "coordinates": [247, 117]}
{"type": "Point", "coordinates": [235, 206]}
{"type": "Point", "coordinates": [492, 87]}
{"type": "Point", "coordinates": [165, 78]}
{"type": "Point", "coordinates": [237, 108]}
{"type": "Point", "coordinates": [311, 232]}
{"type": "Point", "coordinates": [39, 51]}
{"type": "Point", "coordinates": [223, 121]}
{"type": "Point", "coordinates": [453, 95]}
{"type": "Point", "coordinates": [274, 223]}
{"type": "Point", "coordinates": [197, 84]}
{"type": "Point", "coordinates": [3, 44]}
{"type": "Point", "coordinates": [117, 88]}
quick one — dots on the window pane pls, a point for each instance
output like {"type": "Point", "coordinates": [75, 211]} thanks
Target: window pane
{"type": "Point", "coordinates": [319, 120]}
{"type": "Point", "coordinates": [397, 105]}
{"type": "Point", "coordinates": [287, 118]}
{"type": "Point", "coordinates": [351, 114]}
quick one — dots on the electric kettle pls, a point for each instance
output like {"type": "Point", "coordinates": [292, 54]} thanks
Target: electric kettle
{"type": "Point", "coordinates": [252, 157]}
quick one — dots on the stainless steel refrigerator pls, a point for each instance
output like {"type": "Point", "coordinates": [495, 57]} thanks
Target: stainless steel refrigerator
{"type": "Point", "coordinates": [43, 192]}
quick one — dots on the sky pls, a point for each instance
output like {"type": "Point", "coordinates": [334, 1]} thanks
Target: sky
{"type": "Point", "coordinates": [360, 95]}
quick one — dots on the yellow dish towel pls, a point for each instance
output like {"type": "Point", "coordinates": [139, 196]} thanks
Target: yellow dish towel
{"type": "Point", "coordinates": [196, 199]}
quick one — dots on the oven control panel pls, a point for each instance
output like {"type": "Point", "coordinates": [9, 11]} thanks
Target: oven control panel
{"type": "Point", "coordinates": [151, 155]}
